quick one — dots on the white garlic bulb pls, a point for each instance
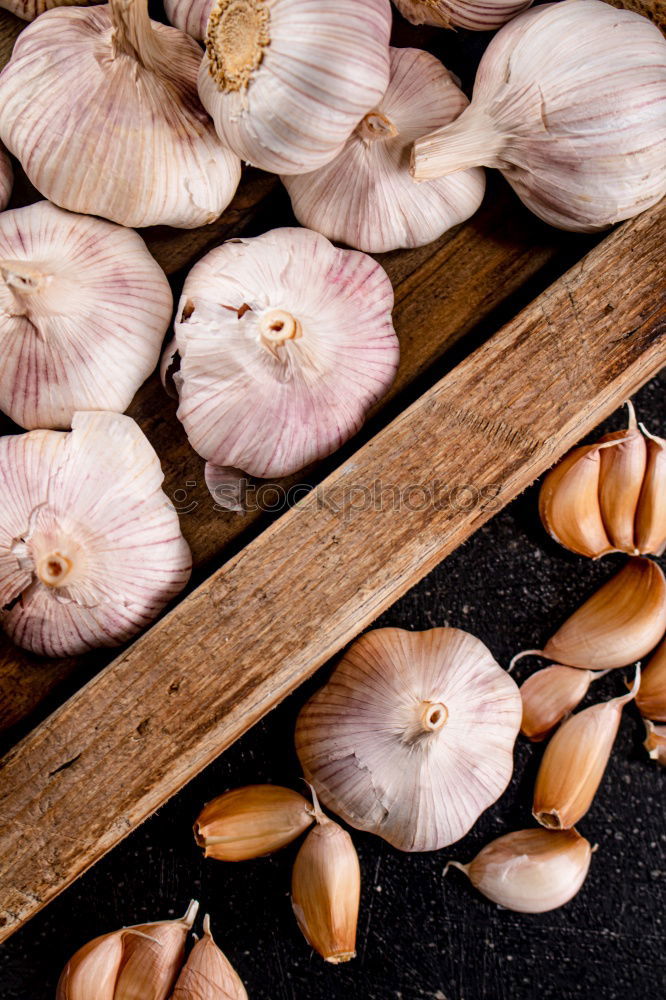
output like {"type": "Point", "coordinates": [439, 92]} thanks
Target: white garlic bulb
{"type": "Point", "coordinates": [90, 548]}
{"type": "Point", "coordinates": [83, 312]}
{"type": "Point", "coordinates": [100, 106]}
{"type": "Point", "coordinates": [189, 15]}
{"type": "Point", "coordinates": [287, 81]}
{"type": "Point", "coordinates": [412, 737]}
{"type": "Point", "coordinates": [285, 341]}
{"type": "Point", "coordinates": [366, 196]}
{"type": "Point", "coordinates": [6, 179]}
{"type": "Point", "coordinates": [582, 147]}
{"type": "Point", "coordinates": [475, 15]}
{"type": "Point", "coordinates": [28, 10]}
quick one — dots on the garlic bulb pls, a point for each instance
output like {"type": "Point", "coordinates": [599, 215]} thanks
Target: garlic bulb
{"type": "Point", "coordinates": [6, 179]}
{"type": "Point", "coordinates": [550, 694]}
{"type": "Point", "coordinates": [83, 312]}
{"type": "Point", "coordinates": [190, 16]}
{"type": "Point", "coordinates": [90, 549]}
{"type": "Point", "coordinates": [28, 10]}
{"type": "Point", "coordinates": [366, 196]}
{"type": "Point", "coordinates": [651, 698]}
{"type": "Point", "coordinates": [655, 742]}
{"type": "Point", "coordinates": [208, 974]}
{"type": "Point", "coordinates": [530, 871]}
{"type": "Point", "coordinates": [581, 147]}
{"type": "Point", "coordinates": [285, 341]}
{"type": "Point", "coordinates": [287, 81]}
{"type": "Point", "coordinates": [252, 821]}
{"type": "Point", "coordinates": [412, 737]}
{"type": "Point", "coordinates": [100, 106]}
{"type": "Point", "coordinates": [475, 15]}
{"type": "Point", "coordinates": [651, 512]}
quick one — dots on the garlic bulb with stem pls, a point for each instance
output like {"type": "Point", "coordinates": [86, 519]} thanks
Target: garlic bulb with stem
{"type": "Point", "coordinates": [208, 974]}
{"type": "Point", "coordinates": [90, 548]}
{"type": "Point", "coordinates": [651, 698]}
{"type": "Point", "coordinates": [583, 149]}
{"type": "Point", "coordinates": [655, 742]}
{"type": "Point", "coordinates": [100, 106]}
{"type": "Point", "coordinates": [366, 196]}
{"type": "Point", "coordinates": [190, 16]}
{"type": "Point", "coordinates": [651, 512]}
{"type": "Point", "coordinates": [550, 694]}
{"type": "Point", "coordinates": [475, 15]}
{"type": "Point", "coordinates": [530, 871]}
{"type": "Point", "coordinates": [28, 10]}
{"type": "Point", "coordinates": [285, 342]}
{"type": "Point", "coordinates": [83, 312]}
{"type": "Point", "coordinates": [287, 81]}
{"type": "Point", "coordinates": [6, 179]}
{"type": "Point", "coordinates": [412, 737]}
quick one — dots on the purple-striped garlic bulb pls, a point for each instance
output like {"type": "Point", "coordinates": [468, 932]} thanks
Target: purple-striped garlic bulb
{"type": "Point", "coordinates": [90, 548]}
{"type": "Point", "coordinates": [189, 15]}
{"type": "Point", "coordinates": [583, 146]}
{"type": "Point", "coordinates": [475, 15]}
{"type": "Point", "coordinates": [6, 179]}
{"type": "Point", "coordinates": [28, 10]}
{"type": "Point", "coordinates": [366, 196]}
{"type": "Point", "coordinates": [83, 312]}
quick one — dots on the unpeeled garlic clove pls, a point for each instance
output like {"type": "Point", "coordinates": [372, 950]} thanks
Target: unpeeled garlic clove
{"type": "Point", "coordinates": [655, 742]}
{"type": "Point", "coordinates": [252, 821]}
{"type": "Point", "coordinates": [468, 14]}
{"type": "Point", "coordinates": [190, 16]}
{"type": "Point", "coordinates": [569, 505]}
{"type": "Point", "coordinates": [651, 513]}
{"type": "Point", "coordinates": [651, 698]}
{"type": "Point", "coordinates": [28, 10]}
{"type": "Point", "coordinates": [575, 760]}
{"type": "Point", "coordinates": [92, 972]}
{"type": "Point", "coordinates": [530, 871]}
{"type": "Point", "coordinates": [208, 974]}
{"type": "Point", "coordinates": [550, 694]}
{"type": "Point", "coordinates": [6, 179]}
{"type": "Point", "coordinates": [620, 480]}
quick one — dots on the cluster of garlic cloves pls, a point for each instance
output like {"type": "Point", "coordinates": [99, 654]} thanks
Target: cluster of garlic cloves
{"type": "Point", "coordinates": [6, 179]}
{"type": "Point", "coordinates": [475, 15]}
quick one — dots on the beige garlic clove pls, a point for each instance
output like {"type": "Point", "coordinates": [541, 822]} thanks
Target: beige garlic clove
{"type": "Point", "coordinates": [83, 312]}
{"type": "Point", "coordinates": [575, 760]}
{"type": "Point", "coordinates": [91, 974]}
{"type": "Point", "coordinates": [208, 974]}
{"type": "Point", "coordinates": [550, 694]}
{"type": "Point", "coordinates": [651, 698]}
{"type": "Point", "coordinates": [412, 737]}
{"type": "Point", "coordinates": [100, 106]}
{"type": "Point", "coordinates": [530, 871]}
{"type": "Point", "coordinates": [287, 81]}
{"type": "Point", "coordinates": [569, 504]}
{"type": "Point", "coordinates": [28, 10]}
{"type": "Point", "coordinates": [6, 179]}
{"type": "Point", "coordinates": [191, 16]}
{"type": "Point", "coordinates": [651, 513]}
{"type": "Point", "coordinates": [252, 821]}
{"type": "Point", "coordinates": [655, 742]}
{"type": "Point", "coordinates": [326, 890]}
{"type": "Point", "coordinates": [475, 15]}
{"type": "Point", "coordinates": [581, 150]}
{"type": "Point", "coordinates": [366, 197]}
{"type": "Point", "coordinates": [620, 480]}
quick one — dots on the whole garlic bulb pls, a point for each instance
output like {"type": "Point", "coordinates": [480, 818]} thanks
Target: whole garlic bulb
{"type": "Point", "coordinates": [100, 106]}
{"type": "Point", "coordinates": [475, 15]}
{"type": "Point", "coordinates": [287, 81]}
{"type": "Point", "coordinates": [582, 147]}
{"type": "Point", "coordinates": [90, 548]}
{"type": "Point", "coordinates": [6, 179]}
{"type": "Point", "coordinates": [412, 737]}
{"type": "Point", "coordinates": [83, 312]}
{"type": "Point", "coordinates": [28, 10]}
{"type": "Point", "coordinates": [285, 341]}
{"type": "Point", "coordinates": [190, 16]}
{"type": "Point", "coordinates": [366, 196]}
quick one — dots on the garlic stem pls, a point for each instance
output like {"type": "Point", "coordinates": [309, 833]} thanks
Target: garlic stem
{"type": "Point", "coordinates": [54, 569]}
{"type": "Point", "coordinates": [519, 656]}
{"type": "Point", "coordinates": [133, 33]}
{"type": "Point", "coordinates": [376, 125]}
{"type": "Point", "coordinates": [472, 140]}
{"type": "Point", "coordinates": [433, 716]}
{"type": "Point", "coordinates": [277, 326]}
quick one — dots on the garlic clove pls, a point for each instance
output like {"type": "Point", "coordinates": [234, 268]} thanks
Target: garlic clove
{"type": "Point", "coordinates": [191, 16]}
{"type": "Point", "coordinates": [83, 311]}
{"type": "Point", "coordinates": [287, 82]}
{"type": "Point", "coordinates": [227, 486]}
{"type": "Point", "coordinates": [366, 197]}
{"type": "Point", "coordinates": [530, 871]}
{"type": "Point", "coordinates": [619, 624]}
{"type": "Point", "coordinates": [326, 890]}
{"type": "Point", "coordinates": [28, 10]}
{"type": "Point", "coordinates": [655, 742]}
{"type": "Point", "coordinates": [90, 547]}
{"type": "Point", "coordinates": [651, 698]}
{"type": "Point", "coordinates": [569, 505]}
{"type": "Point", "coordinates": [208, 974]}
{"type": "Point", "coordinates": [92, 972]}
{"type": "Point", "coordinates": [471, 14]}
{"type": "Point", "coordinates": [100, 106]}
{"type": "Point", "coordinates": [620, 480]}
{"type": "Point", "coordinates": [651, 512]}
{"type": "Point", "coordinates": [285, 342]}
{"type": "Point", "coordinates": [252, 821]}
{"type": "Point", "coordinates": [575, 760]}
{"type": "Point", "coordinates": [6, 179]}
{"type": "Point", "coordinates": [412, 737]}
{"type": "Point", "coordinates": [550, 694]}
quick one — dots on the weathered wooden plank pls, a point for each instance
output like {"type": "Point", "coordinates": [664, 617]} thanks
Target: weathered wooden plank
{"type": "Point", "coordinates": [293, 597]}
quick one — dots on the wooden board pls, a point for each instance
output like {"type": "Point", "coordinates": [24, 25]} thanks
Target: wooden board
{"type": "Point", "coordinates": [293, 597]}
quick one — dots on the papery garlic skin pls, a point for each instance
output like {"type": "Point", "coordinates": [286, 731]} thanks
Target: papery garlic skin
{"type": "Point", "coordinates": [366, 197]}
{"type": "Point", "coordinates": [287, 81]}
{"type": "Point", "coordinates": [6, 180]}
{"type": "Point", "coordinates": [531, 871]}
{"type": "Point", "coordinates": [550, 694]}
{"type": "Point", "coordinates": [412, 737]}
{"type": "Point", "coordinates": [90, 547]}
{"type": "Point", "coordinates": [655, 742]}
{"type": "Point", "coordinates": [285, 342]}
{"type": "Point", "coordinates": [651, 697]}
{"type": "Point", "coordinates": [83, 312]}
{"type": "Point", "coordinates": [471, 14]}
{"type": "Point", "coordinates": [582, 148]}
{"type": "Point", "coordinates": [208, 974]}
{"type": "Point", "coordinates": [100, 106]}
{"type": "Point", "coordinates": [252, 821]}
{"type": "Point", "coordinates": [191, 16]}
{"type": "Point", "coordinates": [651, 512]}
{"type": "Point", "coordinates": [28, 10]}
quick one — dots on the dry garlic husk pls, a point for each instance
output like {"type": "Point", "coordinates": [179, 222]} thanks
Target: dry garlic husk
{"type": "Point", "coordinates": [575, 760]}
{"type": "Point", "coordinates": [287, 81]}
{"type": "Point", "coordinates": [550, 694]}
{"type": "Point", "coordinates": [475, 15]}
{"type": "Point", "coordinates": [655, 742]}
{"type": "Point", "coordinates": [190, 16]}
{"type": "Point", "coordinates": [90, 548]}
{"type": "Point", "coordinates": [285, 341]}
{"type": "Point", "coordinates": [83, 312]}
{"type": "Point", "coordinates": [100, 106]}
{"type": "Point", "coordinates": [208, 974]}
{"type": "Point", "coordinates": [651, 512]}
{"type": "Point", "coordinates": [251, 821]}
{"type": "Point", "coordinates": [28, 10]}
{"type": "Point", "coordinates": [412, 738]}
{"type": "Point", "coordinates": [134, 963]}
{"type": "Point", "coordinates": [651, 698]}
{"type": "Point", "coordinates": [530, 871]}
{"type": "Point", "coordinates": [366, 196]}
{"type": "Point", "coordinates": [326, 890]}
{"type": "Point", "coordinates": [581, 147]}
{"type": "Point", "coordinates": [6, 179]}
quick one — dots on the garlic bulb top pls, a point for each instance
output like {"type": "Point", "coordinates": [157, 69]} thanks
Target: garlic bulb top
{"type": "Point", "coordinates": [28, 10]}
{"type": "Point", "coordinates": [412, 738]}
{"type": "Point", "coordinates": [90, 548]}
{"type": "Point", "coordinates": [583, 147]}
{"type": "Point", "coordinates": [83, 312]}
{"type": "Point", "coordinates": [189, 15]}
{"type": "Point", "coordinates": [286, 81]}
{"type": "Point", "coordinates": [475, 15]}
{"type": "Point", "coordinates": [284, 342]}
{"type": "Point", "coordinates": [6, 179]}
{"type": "Point", "coordinates": [100, 106]}
{"type": "Point", "coordinates": [366, 196]}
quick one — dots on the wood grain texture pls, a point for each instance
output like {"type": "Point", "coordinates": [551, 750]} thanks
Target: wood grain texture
{"type": "Point", "coordinates": [293, 597]}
